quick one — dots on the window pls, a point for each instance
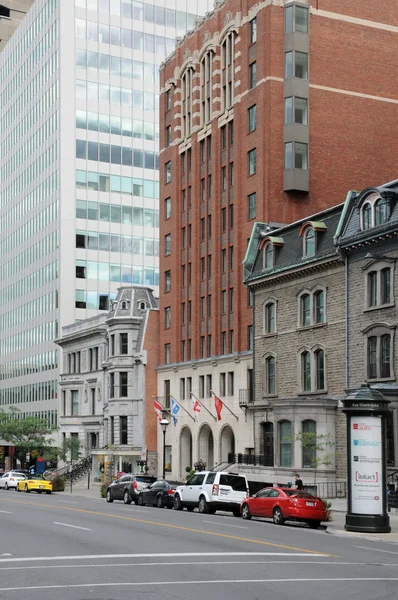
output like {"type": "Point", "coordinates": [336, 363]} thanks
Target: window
{"type": "Point", "coordinates": [381, 208]}
{"type": "Point", "coordinates": [223, 342]}
{"type": "Point", "coordinates": [379, 352]}
{"type": "Point", "coordinates": [252, 118]}
{"type": "Point", "coordinates": [231, 174]}
{"type": "Point", "coordinates": [296, 155]}
{"type": "Point", "coordinates": [75, 402]}
{"type": "Point", "coordinates": [285, 443]}
{"type": "Point", "coordinates": [209, 346]}
{"type": "Point", "coordinates": [202, 229]}
{"type": "Point", "coordinates": [223, 137]}
{"type": "Point", "coordinates": [187, 102]}
{"type": "Point", "coordinates": [366, 216]}
{"type": "Point", "coordinates": [209, 386]}
{"type": "Point", "coordinates": [167, 244]}
{"type": "Point", "coordinates": [182, 388]}
{"type": "Point", "coordinates": [252, 75]}
{"type": "Point", "coordinates": [268, 256]}
{"type": "Point", "coordinates": [167, 317]}
{"type": "Point", "coordinates": [228, 69]}
{"type": "Point", "coordinates": [167, 171]}
{"type": "Point", "coordinates": [296, 19]}
{"type": "Point", "coordinates": [222, 384]}
{"type": "Point", "coordinates": [209, 266]}
{"type": "Point", "coordinates": [123, 382]}
{"type": "Point", "coordinates": [123, 430]}
{"type": "Point", "coordinates": [320, 369]}
{"type": "Point", "coordinates": [253, 31]}
{"type": "Point", "coordinates": [167, 208]}
{"type": "Point", "coordinates": [231, 383]}
{"type": "Point", "coordinates": [167, 354]}
{"type": "Point", "coordinates": [296, 65]}
{"type": "Point", "coordinates": [309, 243]}
{"type": "Point", "coordinates": [112, 385]}
{"type": "Point", "coordinates": [379, 290]}
{"type": "Point", "coordinates": [124, 346]}
{"type": "Point", "coordinates": [319, 306]}
{"type": "Point", "coordinates": [372, 287]}
{"type": "Point", "coordinates": [296, 110]}
{"type": "Point", "coordinates": [250, 339]}
{"type": "Point", "coordinates": [308, 443]}
{"type": "Point", "coordinates": [385, 285]}
{"type": "Point", "coordinates": [223, 302]}
{"type": "Point", "coordinates": [269, 318]}
{"type": "Point", "coordinates": [202, 346]}
{"type": "Point", "coordinates": [206, 76]}
{"type": "Point", "coordinates": [268, 444]}
{"type": "Point", "coordinates": [375, 211]}
{"type": "Point", "coordinates": [202, 269]}
{"type": "Point", "coordinates": [305, 301]}
{"type": "Point", "coordinates": [231, 341]}
{"type": "Point", "coordinates": [306, 371]}
{"type": "Point", "coordinates": [167, 281]}
{"type": "Point", "coordinates": [251, 161]}
{"type": "Point", "coordinates": [251, 205]}
{"type": "Point", "coordinates": [168, 100]}
{"type": "Point", "coordinates": [201, 386]}
{"type": "Point", "coordinates": [231, 300]}
{"type": "Point", "coordinates": [168, 136]}
{"type": "Point", "coordinates": [183, 313]}
{"type": "Point", "coordinates": [223, 178]}
{"type": "Point", "coordinates": [231, 132]}
{"type": "Point", "coordinates": [209, 306]}
{"type": "Point", "coordinates": [269, 379]}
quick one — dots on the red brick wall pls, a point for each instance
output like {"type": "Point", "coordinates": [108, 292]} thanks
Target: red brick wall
{"type": "Point", "coordinates": [151, 345]}
{"type": "Point", "coordinates": [351, 144]}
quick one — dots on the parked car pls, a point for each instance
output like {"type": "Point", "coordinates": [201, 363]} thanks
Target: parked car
{"type": "Point", "coordinates": [285, 504]}
{"type": "Point", "coordinates": [128, 487]}
{"type": "Point", "coordinates": [159, 493]}
{"type": "Point", "coordinates": [10, 479]}
{"type": "Point", "coordinates": [211, 491]}
{"type": "Point", "coordinates": [34, 483]}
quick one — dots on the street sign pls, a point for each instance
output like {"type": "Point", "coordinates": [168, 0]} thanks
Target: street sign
{"type": "Point", "coordinates": [27, 457]}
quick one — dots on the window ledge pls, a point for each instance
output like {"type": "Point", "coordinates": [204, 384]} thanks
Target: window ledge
{"type": "Point", "coordinates": [269, 335]}
{"type": "Point", "coordinates": [314, 326]}
{"type": "Point", "coordinates": [380, 379]}
{"type": "Point", "coordinates": [314, 393]}
{"type": "Point", "coordinates": [379, 307]}
{"type": "Point", "coordinates": [266, 396]}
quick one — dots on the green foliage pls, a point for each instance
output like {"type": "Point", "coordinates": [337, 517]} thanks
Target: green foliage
{"type": "Point", "coordinates": [70, 450]}
{"type": "Point", "coordinates": [58, 484]}
{"type": "Point", "coordinates": [188, 470]}
{"type": "Point", "coordinates": [104, 488]}
{"type": "Point", "coordinates": [328, 510]}
{"type": "Point", "coordinates": [319, 446]}
{"type": "Point", "coordinates": [28, 434]}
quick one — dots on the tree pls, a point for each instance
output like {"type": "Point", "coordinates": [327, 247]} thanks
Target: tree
{"type": "Point", "coordinates": [318, 448]}
{"type": "Point", "coordinates": [27, 434]}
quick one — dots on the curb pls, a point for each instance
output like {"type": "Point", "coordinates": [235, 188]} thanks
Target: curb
{"type": "Point", "coordinates": [353, 535]}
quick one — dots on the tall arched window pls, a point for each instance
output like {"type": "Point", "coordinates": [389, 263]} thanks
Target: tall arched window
{"type": "Point", "coordinates": [187, 102]}
{"type": "Point", "coordinates": [228, 69]}
{"type": "Point", "coordinates": [206, 76]}
{"type": "Point", "coordinates": [381, 208]}
{"type": "Point", "coordinates": [308, 443]}
{"type": "Point", "coordinates": [366, 216]}
{"type": "Point", "coordinates": [385, 355]}
{"type": "Point", "coordinates": [306, 371]}
{"type": "Point", "coordinates": [309, 243]}
{"type": "Point", "coordinates": [268, 256]}
{"type": "Point", "coordinates": [270, 375]}
{"type": "Point", "coordinates": [320, 369]}
{"type": "Point", "coordinates": [319, 306]}
{"type": "Point", "coordinates": [269, 318]}
{"type": "Point", "coordinates": [380, 339]}
{"type": "Point", "coordinates": [285, 443]}
{"type": "Point", "coordinates": [305, 303]}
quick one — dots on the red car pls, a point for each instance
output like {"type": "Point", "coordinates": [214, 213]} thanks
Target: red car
{"type": "Point", "coordinates": [285, 504]}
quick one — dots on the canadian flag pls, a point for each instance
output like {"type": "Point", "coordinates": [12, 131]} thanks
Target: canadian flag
{"type": "Point", "coordinates": [195, 405]}
{"type": "Point", "coordinates": [218, 405]}
{"type": "Point", "coordinates": [158, 409]}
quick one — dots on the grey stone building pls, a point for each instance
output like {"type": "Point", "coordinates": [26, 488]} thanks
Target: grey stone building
{"type": "Point", "coordinates": [108, 381]}
{"type": "Point", "coordinates": [296, 276]}
{"type": "Point", "coordinates": [367, 238]}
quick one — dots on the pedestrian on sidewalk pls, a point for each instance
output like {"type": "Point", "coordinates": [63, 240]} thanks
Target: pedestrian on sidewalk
{"type": "Point", "coordinates": [298, 482]}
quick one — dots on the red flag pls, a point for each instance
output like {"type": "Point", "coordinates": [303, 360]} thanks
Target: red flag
{"type": "Point", "coordinates": [218, 405]}
{"type": "Point", "coordinates": [158, 409]}
{"type": "Point", "coordinates": [195, 406]}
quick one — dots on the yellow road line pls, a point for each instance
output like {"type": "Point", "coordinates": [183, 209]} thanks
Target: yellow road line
{"type": "Point", "coordinates": [170, 525]}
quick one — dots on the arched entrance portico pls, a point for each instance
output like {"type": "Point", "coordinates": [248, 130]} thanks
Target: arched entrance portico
{"type": "Point", "coordinates": [227, 443]}
{"type": "Point", "coordinates": [206, 446]}
{"type": "Point", "coordinates": [185, 450]}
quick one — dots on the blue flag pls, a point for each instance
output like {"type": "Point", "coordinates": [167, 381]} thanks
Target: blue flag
{"type": "Point", "coordinates": [175, 407]}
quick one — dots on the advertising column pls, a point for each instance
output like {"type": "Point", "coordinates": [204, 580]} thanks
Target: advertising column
{"type": "Point", "coordinates": [366, 461]}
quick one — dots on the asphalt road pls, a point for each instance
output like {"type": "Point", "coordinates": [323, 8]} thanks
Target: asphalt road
{"type": "Point", "coordinates": [52, 547]}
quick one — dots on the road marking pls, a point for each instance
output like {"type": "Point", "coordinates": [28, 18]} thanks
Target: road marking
{"type": "Point", "coordinates": [159, 555]}
{"type": "Point", "coordinates": [224, 525]}
{"type": "Point", "coordinates": [6, 512]}
{"type": "Point", "coordinates": [376, 550]}
{"type": "Point", "coordinates": [6, 554]}
{"type": "Point", "coordinates": [67, 502]}
{"type": "Point", "coordinates": [169, 526]}
{"type": "Point", "coordinates": [73, 526]}
{"type": "Point", "coordinates": [195, 582]}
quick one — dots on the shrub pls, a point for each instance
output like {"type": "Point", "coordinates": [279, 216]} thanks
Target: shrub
{"type": "Point", "coordinates": [328, 505]}
{"type": "Point", "coordinates": [104, 487]}
{"type": "Point", "coordinates": [58, 484]}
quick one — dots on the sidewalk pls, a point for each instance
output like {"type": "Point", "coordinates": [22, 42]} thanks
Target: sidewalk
{"type": "Point", "coordinates": [336, 526]}
{"type": "Point", "coordinates": [80, 489]}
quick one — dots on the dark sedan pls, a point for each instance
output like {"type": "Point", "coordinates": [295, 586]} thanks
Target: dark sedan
{"type": "Point", "coordinates": [160, 494]}
{"type": "Point", "coordinates": [128, 488]}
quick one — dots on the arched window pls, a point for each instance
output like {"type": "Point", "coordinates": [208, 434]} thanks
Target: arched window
{"type": "Point", "coordinates": [206, 76]}
{"type": "Point", "coordinates": [269, 318]}
{"type": "Point", "coordinates": [309, 243]}
{"type": "Point", "coordinates": [385, 355]}
{"type": "Point", "coordinates": [305, 310]}
{"type": "Point", "coordinates": [269, 376]}
{"type": "Point", "coordinates": [285, 443]}
{"type": "Point", "coordinates": [319, 306]}
{"type": "Point", "coordinates": [308, 443]}
{"type": "Point", "coordinates": [268, 443]}
{"type": "Point", "coordinates": [228, 69]}
{"type": "Point", "coordinates": [124, 305]}
{"type": "Point", "coordinates": [187, 102]}
{"type": "Point", "coordinates": [320, 369]}
{"type": "Point", "coordinates": [379, 343]}
{"type": "Point", "coordinates": [385, 285]}
{"type": "Point", "coordinates": [306, 371]}
{"type": "Point", "coordinates": [268, 256]}
{"type": "Point", "coordinates": [381, 208]}
{"type": "Point", "coordinates": [366, 216]}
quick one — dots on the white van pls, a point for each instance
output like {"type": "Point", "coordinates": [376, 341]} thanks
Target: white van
{"type": "Point", "coordinates": [211, 491]}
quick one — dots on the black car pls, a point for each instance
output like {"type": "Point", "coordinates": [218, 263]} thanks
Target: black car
{"type": "Point", "coordinates": [128, 487]}
{"type": "Point", "coordinates": [160, 494]}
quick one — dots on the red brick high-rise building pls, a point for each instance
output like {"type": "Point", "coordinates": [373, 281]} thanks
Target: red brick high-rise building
{"type": "Point", "coordinates": [270, 111]}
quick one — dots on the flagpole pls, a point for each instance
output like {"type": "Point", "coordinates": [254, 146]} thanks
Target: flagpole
{"type": "Point", "coordinates": [205, 407]}
{"type": "Point", "coordinates": [184, 409]}
{"type": "Point", "coordinates": [227, 407]}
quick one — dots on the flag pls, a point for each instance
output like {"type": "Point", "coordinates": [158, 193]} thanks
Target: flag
{"type": "Point", "coordinates": [218, 404]}
{"type": "Point", "coordinates": [195, 405]}
{"type": "Point", "coordinates": [175, 407]}
{"type": "Point", "coordinates": [158, 409]}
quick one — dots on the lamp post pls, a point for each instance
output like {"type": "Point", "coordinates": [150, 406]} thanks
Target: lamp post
{"type": "Point", "coordinates": [164, 424]}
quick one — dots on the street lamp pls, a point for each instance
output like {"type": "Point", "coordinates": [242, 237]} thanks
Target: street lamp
{"type": "Point", "coordinates": [164, 424]}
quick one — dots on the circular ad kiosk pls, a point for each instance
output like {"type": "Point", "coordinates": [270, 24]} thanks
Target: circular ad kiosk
{"type": "Point", "coordinates": [366, 411]}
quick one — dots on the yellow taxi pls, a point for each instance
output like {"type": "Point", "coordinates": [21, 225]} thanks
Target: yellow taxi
{"type": "Point", "coordinates": [34, 483]}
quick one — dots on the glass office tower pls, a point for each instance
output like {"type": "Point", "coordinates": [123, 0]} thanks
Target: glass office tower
{"type": "Point", "coordinates": [79, 173]}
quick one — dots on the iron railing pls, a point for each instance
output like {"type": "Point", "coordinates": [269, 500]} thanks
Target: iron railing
{"type": "Point", "coordinates": [249, 459]}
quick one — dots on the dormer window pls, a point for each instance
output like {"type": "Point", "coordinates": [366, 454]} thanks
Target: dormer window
{"type": "Point", "coordinates": [142, 305]}
{"type": "Point", "coordinates": [309, 232]}
{"type": "Point", "coordinates": [268, 245]}
{"type": "Point", "coordinates": [375, 211]}
{"type": "Point", "coordinates": [268, 256]}
{"type": "Point", "coordinates": [309, 243]}
{"type": "Point", "coordinates": [123, 305]}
